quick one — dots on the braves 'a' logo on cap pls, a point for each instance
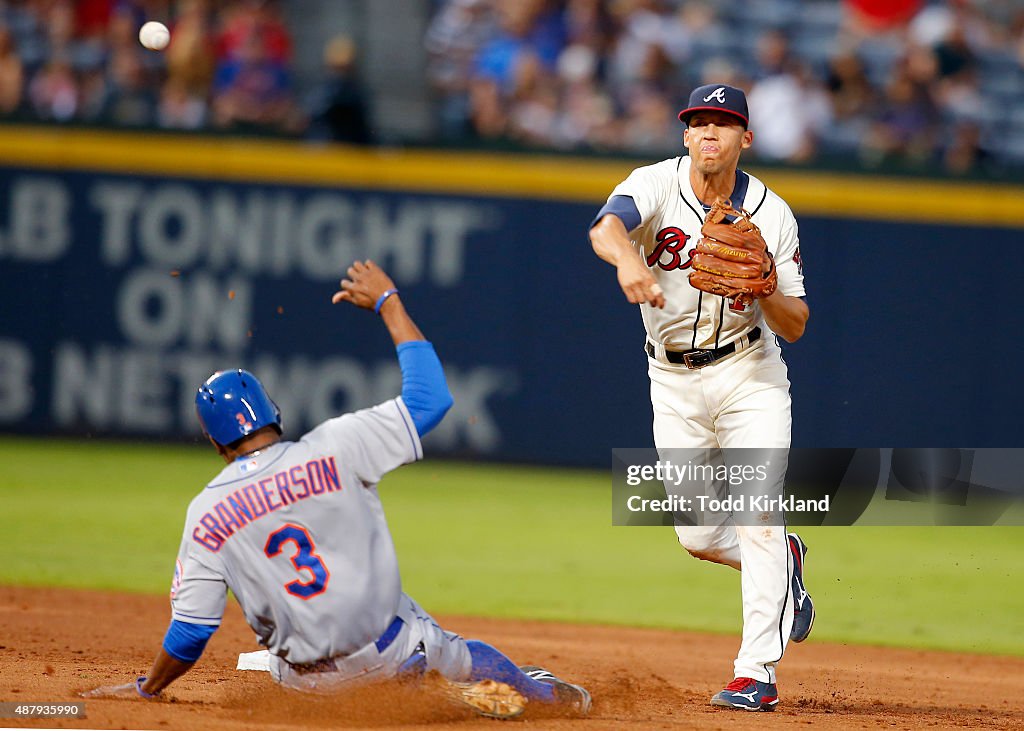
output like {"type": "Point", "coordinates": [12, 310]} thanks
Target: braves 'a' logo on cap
{"type": "Point", "coordinates": [718, 94]}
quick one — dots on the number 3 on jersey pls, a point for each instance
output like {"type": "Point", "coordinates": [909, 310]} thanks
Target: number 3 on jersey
{"type": "Point", "coordinates": [304, 558]}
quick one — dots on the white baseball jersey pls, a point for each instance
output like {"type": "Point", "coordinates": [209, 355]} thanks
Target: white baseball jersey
{"type": "Point", "coordinates": [298, 533]}
{"type": "Point", "coordinates": [671, 218]}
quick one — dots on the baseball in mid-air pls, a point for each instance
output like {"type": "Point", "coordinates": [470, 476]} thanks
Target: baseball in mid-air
{"type": "Point", "coordinates": [154, 35]}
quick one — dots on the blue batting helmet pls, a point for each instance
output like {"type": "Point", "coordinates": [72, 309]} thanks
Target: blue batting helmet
{"type": "Point", "coordinates": [234, 404]}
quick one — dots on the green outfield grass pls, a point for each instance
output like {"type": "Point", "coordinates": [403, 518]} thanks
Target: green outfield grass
{"type": "Point", "coordinates": [514, 542]}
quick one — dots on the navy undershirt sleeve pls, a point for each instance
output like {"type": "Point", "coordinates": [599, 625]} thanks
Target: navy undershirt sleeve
{"type": "Point", "coordinates": [622, 206]}
{"type": "Point", "coordinates": [424, 389]}
{"type": "Point", "coordinates": [185, 641]}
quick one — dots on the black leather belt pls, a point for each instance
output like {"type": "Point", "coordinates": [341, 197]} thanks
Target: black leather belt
{"type": "Point", "coordinates": [329, 665]}
{"type": "Point", "coordinates": [699, 358]}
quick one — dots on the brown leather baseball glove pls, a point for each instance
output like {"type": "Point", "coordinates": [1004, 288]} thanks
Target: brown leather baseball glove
{"type": "Point", "coordinates": [732, 259]}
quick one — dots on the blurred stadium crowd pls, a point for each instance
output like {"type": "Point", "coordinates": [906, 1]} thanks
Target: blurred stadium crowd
{"type": "Point", "coordinates": [228, 67]}
{"type": "Point", "coordinates": [876, 81]}
{"type": "Point", "coordinates": [907, 82]}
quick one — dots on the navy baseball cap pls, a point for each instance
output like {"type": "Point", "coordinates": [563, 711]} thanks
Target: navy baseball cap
{"type": "Point", "coordinates": [717, 98]}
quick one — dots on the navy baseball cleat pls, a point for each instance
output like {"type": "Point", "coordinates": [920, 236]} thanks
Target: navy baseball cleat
{"type": "Point", "coordinates": [747, 694]}
{"type": "Point", "coordinates": [575, 697]}
{"type": "Point", "coordinates": [803, 607]}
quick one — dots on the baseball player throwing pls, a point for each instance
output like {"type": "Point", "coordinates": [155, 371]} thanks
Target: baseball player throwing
{"type": "Point", "coordinates": [297, 531]}
{"type": "Point", "coordinates": [713, 296]}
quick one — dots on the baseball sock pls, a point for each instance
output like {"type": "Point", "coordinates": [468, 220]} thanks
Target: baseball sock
{"type": "Point", "coordinates": [489, 663]}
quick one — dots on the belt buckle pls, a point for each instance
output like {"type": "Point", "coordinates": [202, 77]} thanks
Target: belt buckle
{"type": "Point", "coordinates": [698, 359]}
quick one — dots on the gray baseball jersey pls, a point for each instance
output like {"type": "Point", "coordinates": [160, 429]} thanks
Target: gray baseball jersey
{"type": "Point", "coordinates": [298, 533]}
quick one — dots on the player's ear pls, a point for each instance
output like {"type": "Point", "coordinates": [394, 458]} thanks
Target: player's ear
{"type": "Point", "coordinates": [686, 136]}
{"type": "Point", "coordinates": [221, 449]}
{"type": "Point", "coordinates": [748, 139]}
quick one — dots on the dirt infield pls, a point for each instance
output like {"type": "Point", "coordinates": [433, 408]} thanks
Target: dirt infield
{"type": "Point", "coordinates": [56, 643]}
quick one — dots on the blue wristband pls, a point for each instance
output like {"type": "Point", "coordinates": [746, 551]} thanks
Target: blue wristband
{"type": "Point", "coordinates": [138, 686]}
{"type": "Point", "coordinates": [380, 300]}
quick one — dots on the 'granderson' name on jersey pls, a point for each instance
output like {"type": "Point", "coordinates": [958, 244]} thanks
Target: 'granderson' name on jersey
{"type": "Point", "coordinates": [257, 499]}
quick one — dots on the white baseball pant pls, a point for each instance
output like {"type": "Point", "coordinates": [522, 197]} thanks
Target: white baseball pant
{"type": "Point", "coordinates": [740, 401]}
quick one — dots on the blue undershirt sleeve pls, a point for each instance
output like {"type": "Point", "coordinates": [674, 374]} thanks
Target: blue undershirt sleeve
{"type": "Point", "coordinates": [185, 641]}
{"type": "Point", "coordinates": [424, 389]}
{"type": "Point", "coordinates": [622, 206]}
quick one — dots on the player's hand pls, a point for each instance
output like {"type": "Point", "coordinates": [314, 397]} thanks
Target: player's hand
{"type": "Point", "coordinates": [364, 284]}
{"type": "Point", "coordinates": [125, 690]}
{"type": "Point", "coordinates": [638, 284]}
